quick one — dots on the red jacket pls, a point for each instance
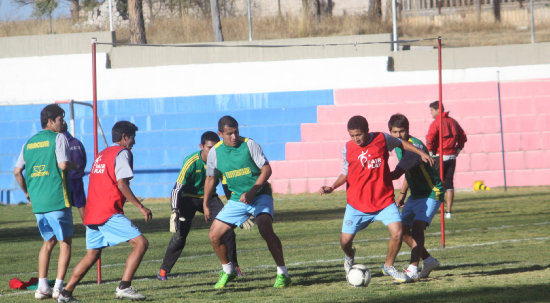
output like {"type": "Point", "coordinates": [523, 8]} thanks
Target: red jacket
{"type": "Point", "coordinates": [453, 136]}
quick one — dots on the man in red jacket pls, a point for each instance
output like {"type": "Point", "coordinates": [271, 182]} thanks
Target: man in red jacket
{"type": "Point", "coordinates": [453, 138]}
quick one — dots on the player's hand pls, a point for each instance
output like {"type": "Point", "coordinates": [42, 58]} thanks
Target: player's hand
{"type": "Point", "coordinates": [325, 190]}
{"type": "Point", "coordinates": [207, 214]}
{"type": "Point", "coordinates": [147, 213]}
{"type": "Point", "coordinates": [174, 221]}
{"type": "Point", "coordinates": [427, 159]}
{"type": "Point", "coordinates": [247, 197]}
{"type": "Point", "coordinates": [248, 224]}
{"type": "Point", "coordinates": [400, 201]}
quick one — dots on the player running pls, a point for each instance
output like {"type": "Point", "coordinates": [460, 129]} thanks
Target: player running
{"type": "Point", "coordinates": [370, 193]}
{"type": "Point", "coordinates": [423, 203]}
{"type": "Point", "coordinates": [246, 169]}
{"type": "Point", "coordinates": [106, 225]}
{"type": "Point", "coordinates": [186, 200]}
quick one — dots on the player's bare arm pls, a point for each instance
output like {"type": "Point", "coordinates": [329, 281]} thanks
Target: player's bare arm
{"type": "Point", "coordinates": [18, 174]}
{"type": "Point", "coordinates": [265, 173]}
{"type": "Point", "coordinates": [424, 156]}
{"type": "Point", "coordinates": [339, 182]}
{"type": "Point", "coordinates": [124, 187]}
{"type": "Point", "coordinates": [400, 201]}
{"type": "Point", "coordinates": [208, 189]}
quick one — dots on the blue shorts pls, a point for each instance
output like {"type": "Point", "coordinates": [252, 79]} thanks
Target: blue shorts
{"type": "Point", "coordinates": [77, 192]}
{"type": "Point", "coordinates": [116, 230]}
{"type": "Point", "coordinates": [419, 210]}
{"type": "Point", "coordinates": [58, 223]}
{"type": "Point", "coordinates": [236, 213]}
{"type": "Point", "coordinates": [355, 220]}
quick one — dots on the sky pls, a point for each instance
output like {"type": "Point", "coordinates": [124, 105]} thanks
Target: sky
{"type": "Point", "coordinates": [10, 11]}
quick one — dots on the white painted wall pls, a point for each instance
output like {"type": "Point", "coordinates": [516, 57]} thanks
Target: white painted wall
{"type": "Point", "coordinates": [27, 80]}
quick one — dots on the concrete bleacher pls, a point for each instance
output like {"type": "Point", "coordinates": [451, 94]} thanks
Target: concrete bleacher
{"type": "Point", "coordinates": [316, 160]}
{"type": "Point", "coordinates": [169, 129]}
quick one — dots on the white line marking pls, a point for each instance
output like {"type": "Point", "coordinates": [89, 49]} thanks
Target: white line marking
{"type": "Point", "coordinates": [302, 263]}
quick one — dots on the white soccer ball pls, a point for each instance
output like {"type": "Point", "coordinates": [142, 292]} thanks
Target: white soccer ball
{"type": "Point", "coordinates": [358, 275]}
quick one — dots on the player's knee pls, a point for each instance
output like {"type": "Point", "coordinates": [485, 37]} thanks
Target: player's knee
{"type": "Point", "coordinates": [214, 236]}
{"type": "Point", "coordinates": [396, 234]}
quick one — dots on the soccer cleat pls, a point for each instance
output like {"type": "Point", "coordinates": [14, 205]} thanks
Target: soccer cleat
{"type": "Point", "coordinates": [413, 276]}
{"type": "Point", "coordinates": [348, 262]}
{"type": "Point", "coordinates": [63, 299]}
{"type": "Point", "coordinates": [55, 293]}
{"type": "Point", "coordinates": [398, 276]}
{"type": "Point", "coordinates": [39, 294]}
{"type": "Point", "coordinates": [224, 278]}
{"type": "Point", "coordinates": [427, 268]}
{"type": "Point", "coordinates": [447, 215]}
{"type": "Point", "coordinates": [282, 281]}
{"type": "Point", "coordinates": [239, 272]}
{"type": "Point", "coordinates": [128, 293]}
{"type": "Point", "coordinates": [162, 275]}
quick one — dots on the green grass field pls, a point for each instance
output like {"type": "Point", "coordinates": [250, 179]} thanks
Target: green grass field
{"type": "Point", "coordinates": [497, 250]}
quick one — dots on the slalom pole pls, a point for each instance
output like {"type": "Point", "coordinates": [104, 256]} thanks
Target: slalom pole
{"type": "Point", "coordinates": [94, 104]}
{"type": "Point", "coordinates": [501, 131]}
{"type": "Point", "coordinates": [441, 137]}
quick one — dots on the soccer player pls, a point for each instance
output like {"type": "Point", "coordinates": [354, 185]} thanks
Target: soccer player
{"type": "Point", "coordinates": [47, 159]}
{"type": "Point", "coordinates": [78, 157]}
{"type": "Point", "coordinates": [246, 169]}
{"type": "Point", "coordinates": [424, 201]}
{"type": "Point", "coordinates": [186, 200]}
{"type": "Point", "coordinates": [106, 225]}
{"type": "Point", "coordinates": [454, 139]}
{"type": "Point", "coordinates": [370, 194]}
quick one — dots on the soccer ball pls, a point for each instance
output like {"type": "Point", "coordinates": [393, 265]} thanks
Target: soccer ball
{"type": "Point", "coordinates": [358, 275]}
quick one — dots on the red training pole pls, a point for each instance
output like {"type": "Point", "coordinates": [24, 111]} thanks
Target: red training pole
{"type": "Point", "coordinates": [94, 104]}
{"type": "Point", "coordinates": [441, 137]}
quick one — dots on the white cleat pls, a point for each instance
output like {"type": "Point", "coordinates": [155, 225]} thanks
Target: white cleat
{"type": "Point", "coordinates": [38, 294]}
{"type": "Point", "coordinates": [399, 277]}
{"type": "Point", "coordinates": [129, 293]}
{"type": "Point", "coordinates": [413, 277]}
{"type": "Point", "coordinates": [427, 268]}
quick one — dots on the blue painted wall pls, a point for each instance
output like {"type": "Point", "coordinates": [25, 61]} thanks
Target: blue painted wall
{"type": "Point", "coordinates": [169, 129]}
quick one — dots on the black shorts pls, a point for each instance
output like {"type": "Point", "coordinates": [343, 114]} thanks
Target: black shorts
{"type": "Point", "coordinates": [448, 174]}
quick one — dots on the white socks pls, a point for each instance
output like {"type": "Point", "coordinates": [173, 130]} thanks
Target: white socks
{"type": "Point", "coordinates": [58, 284]}
{"type": "Point", "coordinates": [43, 284]}
{"type": "Point", "coordinates": [282, 270]}
{"type": "Point", "coordinates": [228, 268]}
{"type": "Point", "coordinates": [413, 269]}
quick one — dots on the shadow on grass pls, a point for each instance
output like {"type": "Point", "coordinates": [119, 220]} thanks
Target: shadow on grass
{"type": "Point", "coordinates": [521, 293]}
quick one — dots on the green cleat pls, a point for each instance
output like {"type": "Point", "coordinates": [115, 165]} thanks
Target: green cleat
{"type": "Point", "coordinates": [224, 278]}
{"type": "Point", "coordinates": [282, 281]}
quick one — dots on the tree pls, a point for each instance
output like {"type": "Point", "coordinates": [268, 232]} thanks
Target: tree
{"type": "Point", "coordinates": [216, 21]}
{"type": "Point", "coordinates": [136, 22]}
{"type": "Point", "coordinates": [74, 7]}
{"type": "Point", "coordinates": [41, 8]}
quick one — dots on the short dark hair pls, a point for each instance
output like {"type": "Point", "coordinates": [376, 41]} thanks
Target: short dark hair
{"type": "Point", "coordinates": [51, 111]}
{"type": "Point", "coordinates": [435, 105]}
{"type": "Point", "coordinates": [209, 136]}
{"type": "Point", "coordinates": [398, 120]}
{"type": "Point", "coordinates": [358, 122]}
{"type": "Point", "coordinates": [227, 121]}
{"type": "Point", "coordinates": [123, 127]}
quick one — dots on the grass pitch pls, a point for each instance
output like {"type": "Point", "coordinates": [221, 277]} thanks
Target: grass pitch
{"type": "Point", "coordinates": [497, 250]}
